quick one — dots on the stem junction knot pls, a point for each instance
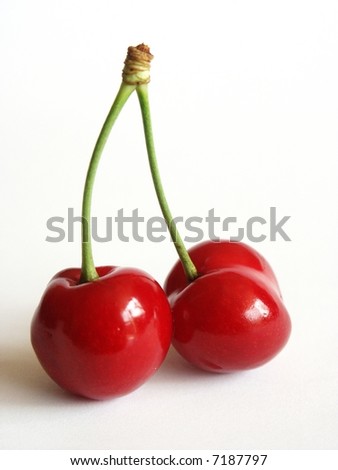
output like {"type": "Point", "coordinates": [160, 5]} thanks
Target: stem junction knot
{"type": "Point", "coordinates": [137, 65]}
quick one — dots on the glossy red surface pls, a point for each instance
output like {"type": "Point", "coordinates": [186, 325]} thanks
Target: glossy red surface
{"type": "Point", "coordinates": [232, 316]}
{"type": "Point", "coordinates": [213, 255]}
{"type": "Point", "coordinates": [104, 338]}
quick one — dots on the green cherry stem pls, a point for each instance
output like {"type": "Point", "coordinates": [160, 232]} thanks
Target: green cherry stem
{"type": "Point", "coordinates": [135, 72]}
{"type": "Point", "coordinates": [88, 271]}
{"type": "Point", "coordinates": [188, 265]}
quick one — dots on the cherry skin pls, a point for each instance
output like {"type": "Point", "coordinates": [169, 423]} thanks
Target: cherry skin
{"type": "Point", "coordinates": [232, 316]}
{"type": "Point", "coordinates": [212, 255]}
{"type": "Point", "coordinates": [104, 338]}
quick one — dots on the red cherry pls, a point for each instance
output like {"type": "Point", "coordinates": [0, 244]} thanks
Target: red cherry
{"type": "Point", "coordinates": [103, 338]}
{"type": "Point", "coordinates": [232, 316]}
{"type": "Point", "coordinates": [227, 308]}
{"type": "Point", "coordinates": [103, 332]}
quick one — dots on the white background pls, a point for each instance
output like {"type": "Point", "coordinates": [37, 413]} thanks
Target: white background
{"type": "Point", "coordinates": [244, 101]}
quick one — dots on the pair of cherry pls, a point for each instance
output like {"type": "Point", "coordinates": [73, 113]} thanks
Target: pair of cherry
{"type": "Point", "coordinates": [102, 332]}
